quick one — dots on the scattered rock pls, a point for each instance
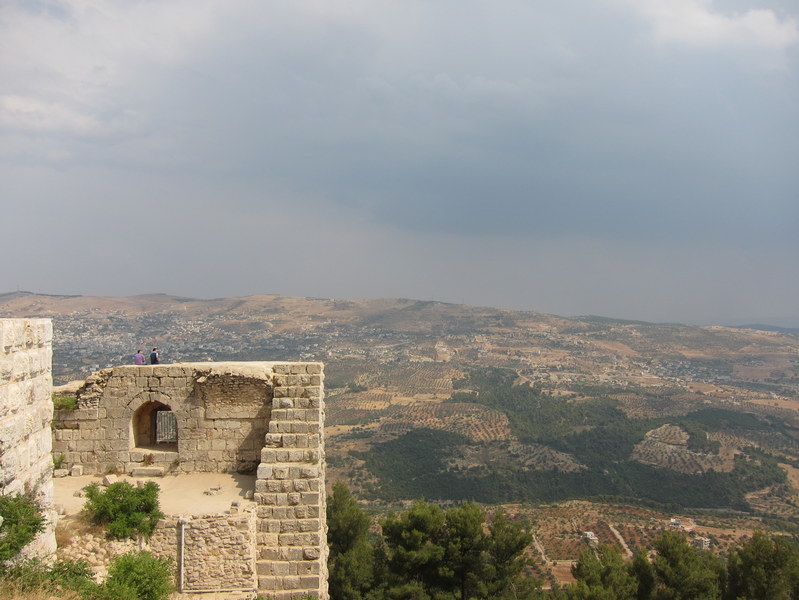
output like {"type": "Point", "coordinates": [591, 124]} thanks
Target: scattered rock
{"type": "Point", "coordinates": [109, 479]}
{"type": "Point", "coordinates": [76, 471]}
{"type": "Point", "coordinates": [60, 472]}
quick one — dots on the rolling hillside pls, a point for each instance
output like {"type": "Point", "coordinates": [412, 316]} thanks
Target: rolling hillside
{"type": "Point", "coordinates": [450, 401]}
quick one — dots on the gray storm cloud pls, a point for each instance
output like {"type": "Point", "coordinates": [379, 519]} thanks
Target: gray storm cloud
{"type": "Point", "coordinates": [629, 158]}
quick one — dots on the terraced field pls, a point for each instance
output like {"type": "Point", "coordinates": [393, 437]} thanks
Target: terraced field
{"type": "Point", "coordinates": [646, 406]}
{"type": "Point", "coordinates": [777, 444]}
{"type": "Point", "coordinates": [667, 447]}
{"type": "Point", "coordinates": [638, 537]}
{"type": "Point", "coordinates": [412, 378]}
{"type": "Point", "coordinates": [476, 422]}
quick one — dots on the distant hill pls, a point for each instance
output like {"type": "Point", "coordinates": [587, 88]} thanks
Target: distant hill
{"type": "Point", "coordinates": [451, 401]}
{"type": "Point", "coordinates": [761, 327]}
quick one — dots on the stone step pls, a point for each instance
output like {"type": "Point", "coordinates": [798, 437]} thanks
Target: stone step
{"type": "Point", "coordinates": [147, 472]}
{"type": "Point", "coordinates": [157, 455]}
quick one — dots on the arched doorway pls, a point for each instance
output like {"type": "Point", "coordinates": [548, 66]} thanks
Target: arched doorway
{"type": "Point", "coordinates": [155, 427]}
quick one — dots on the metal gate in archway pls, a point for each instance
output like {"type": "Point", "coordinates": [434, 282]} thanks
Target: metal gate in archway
{"type": "Point", "coordinates": [166, 427]}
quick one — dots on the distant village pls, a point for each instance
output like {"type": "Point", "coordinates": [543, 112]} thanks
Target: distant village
{"type": "Point", "coordinates": [540, 353]}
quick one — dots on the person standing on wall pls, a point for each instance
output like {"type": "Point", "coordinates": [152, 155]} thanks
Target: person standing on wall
{"type": "Point", "coordinates": [154, 357]}
{"type": "Point", "coordinates": [138, 358]}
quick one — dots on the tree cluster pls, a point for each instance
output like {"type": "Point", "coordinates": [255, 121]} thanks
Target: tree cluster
{"type": "Point", "coordinates": [425, 553]}
{"type": "Point", "coordinates": [765, 568]}
{"type": "Point", "coordinates": [461, 553]}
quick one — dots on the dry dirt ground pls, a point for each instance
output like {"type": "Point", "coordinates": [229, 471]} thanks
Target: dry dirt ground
{"type": "Point", "coordinates": [185, 494]}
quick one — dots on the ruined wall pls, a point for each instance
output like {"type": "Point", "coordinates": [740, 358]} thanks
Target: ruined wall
{"type": "Point", "coordinates": [221, 412]}
{"type": "Point", "coordinates": [26, 411]}
{"type": "Point", "coordinates": [212, 553]}
{"type": "Point", "coordinates": [209, 552]}
{"type": "Point", "coordinates": [229, 417]}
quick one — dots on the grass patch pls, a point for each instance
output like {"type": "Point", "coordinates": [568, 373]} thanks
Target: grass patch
{"type": "Point", "coordinates": [63, 401]}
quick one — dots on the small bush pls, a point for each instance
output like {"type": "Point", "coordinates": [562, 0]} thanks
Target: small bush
{"type": "Point", "coordinates": [26, 575]}
{"type": "Point", "coordinates": [126, 510]}
{"type": "Point", "coordinates": [58, 460]}
{"type": "Point", "coordinates": [72, 574]}
{"type": "Point", "coordinates": [114, 590]}
{"type": "Point", "coordinates": [22, 520]}
{"type": "Point", "coordinates": [33, 575]}
{"type": "Point", "coordinates": [138, 576]}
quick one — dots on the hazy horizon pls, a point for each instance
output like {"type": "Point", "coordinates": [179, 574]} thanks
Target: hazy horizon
{"type": "Point", "coordinates": [779, 322]}
{"type": "Point", "coordinates": [627, 158]}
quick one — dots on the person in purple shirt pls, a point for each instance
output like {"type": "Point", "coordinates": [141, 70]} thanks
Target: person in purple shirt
{"type": "Point", "coordinates": [138, 358]}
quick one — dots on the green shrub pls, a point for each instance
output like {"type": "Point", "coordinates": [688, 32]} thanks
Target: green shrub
{"type": "Point", "coordinates": [26, 575]}
{"type": "Point", "coordinates": [72, 574]}
{"type": "Point", "coordinates": [127, 510]}
{"type": "Point", "coordinates": [34, 575]}
{"type": "Point", "coordinates": [22, 519]}
{"type": "Point", "coordinates": [138, 576]}
{"type": "Point", "coordinates": [58, 460]}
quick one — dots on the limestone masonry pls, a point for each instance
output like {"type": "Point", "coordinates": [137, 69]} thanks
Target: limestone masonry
{"type": "Point", "coordinates": [185, 418]}
{"type": "Point", "coordinates": [26, 412]}
{"type": "Point", "coordinates": [258, 417]}
{"type": "Point", "coordinates": [255, 417]}
{"type": "Point", "coordinates": [212, 553]}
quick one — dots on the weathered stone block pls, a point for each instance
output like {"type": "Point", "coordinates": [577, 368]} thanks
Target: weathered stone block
{"type": "Point", "coordinates": [147, 472]}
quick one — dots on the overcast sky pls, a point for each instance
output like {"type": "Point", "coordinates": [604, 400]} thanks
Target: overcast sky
{"type": "Point", "coordinates": [630, 158]}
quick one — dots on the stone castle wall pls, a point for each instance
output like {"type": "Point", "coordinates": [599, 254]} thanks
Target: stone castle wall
{"type": "Point", "coordinates": [260, 417]}
{"type": "Point", "coordinates": [212, 553]}
{"type": "Point", "coordinates": [26, 412]}
{"type": "Point", "coordinates": [290, 490]}
{"type": "Point", "coordinates": [221, 413]}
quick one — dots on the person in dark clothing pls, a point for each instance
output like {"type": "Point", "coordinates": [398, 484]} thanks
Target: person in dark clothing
{"type": "Point", "coordinates": [154, 357]}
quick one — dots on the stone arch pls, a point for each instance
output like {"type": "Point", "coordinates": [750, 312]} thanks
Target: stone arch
{"type": "Point", "coordinates": [154, 425]}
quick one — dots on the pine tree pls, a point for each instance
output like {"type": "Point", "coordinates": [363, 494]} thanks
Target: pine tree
{"type": "Point", "coordinates": [765, 568]}
{"type": "Point", "coordinates": [351, 560]}
{"type": "Point", "coordinates": [602, 575]}
{"type": "Point", "coordinates": [685, 573]}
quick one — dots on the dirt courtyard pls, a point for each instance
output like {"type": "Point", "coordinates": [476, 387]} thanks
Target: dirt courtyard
{"type": "Point", "coordinates": [186, 494]}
